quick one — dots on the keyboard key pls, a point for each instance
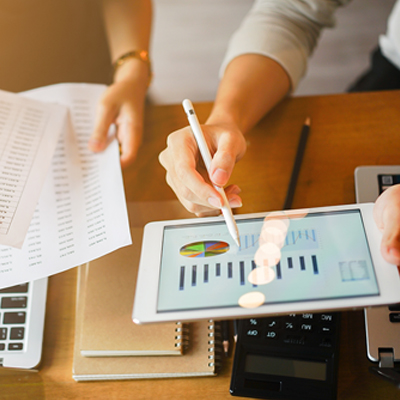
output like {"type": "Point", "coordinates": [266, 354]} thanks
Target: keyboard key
{"type": "Point", "coordinates": [252, 333]}
{"type": "Point", "coordinates": [253, 322]}
{"type": "Point", "coordinates": [273, 323]}
{"type": "Point", "coordinates": [326, 329]}
{"type": "Point", "coordinates": [13, 302]}
{"type": "Point", "coordinates": [394, 307]}
{"type": "Point", "coordinates": [2, 346]}
{"type": "Point", "coordinates": [3, 333]}
{"type": "Point", "coordinates": [289, 325]}
{"type": "Point", "coordinates": [306, 327]}
{"type": "Point", "coordinates": [16, 289]}
{"type": "Point", "coordinates": [17, 333]}
{"type": "Point", "coordinates": [14, 317]}
{"type": "Point", "coordinates": [271, 334]}
{"type": "Point", "coordinates": [15, 346]}
{"type": "Point", "coordinates": [394, 317]}
{"type": "Point", "coordinates": [326, 318]}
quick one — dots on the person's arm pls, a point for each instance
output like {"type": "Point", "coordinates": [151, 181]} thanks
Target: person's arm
{"type": "Point", "coordinates": [266, 58]}
{"type": "Point", "coordinates": [128, 26]}
{"type": "Point", "coordinates": [242, 99]}
{"type": "Point", "coordinates": [387, 217]}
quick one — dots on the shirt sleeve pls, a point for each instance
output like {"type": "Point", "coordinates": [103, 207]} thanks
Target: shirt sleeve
{"type": "Point", "coordinates": [284, 30]}
{"type": "Point", "coordinates": [390, 42]}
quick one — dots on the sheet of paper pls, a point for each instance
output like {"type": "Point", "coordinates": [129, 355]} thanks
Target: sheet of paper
{"type": "Point", "coordinates": [29, 132]}
{"type": "Point", "coordinates": [81, 214]}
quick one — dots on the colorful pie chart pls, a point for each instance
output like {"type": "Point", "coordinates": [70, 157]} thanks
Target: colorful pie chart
{"type": "Point", "coordinates": [204, 249]}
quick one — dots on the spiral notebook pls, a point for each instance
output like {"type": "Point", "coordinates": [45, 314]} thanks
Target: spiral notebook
{"type": "Point", "coordinates": [108, 346]}
{"type": "Point", "coordinates": [201, 358]}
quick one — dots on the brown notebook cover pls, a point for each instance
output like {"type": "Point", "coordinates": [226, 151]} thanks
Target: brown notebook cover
{"type": "Point", "coordinates": [200, 359]}
{"type": "Point", "coordinates": [107, 327]}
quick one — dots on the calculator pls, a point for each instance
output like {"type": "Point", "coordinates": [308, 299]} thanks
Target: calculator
{"type": "Point", "coordinates": [287, 357]}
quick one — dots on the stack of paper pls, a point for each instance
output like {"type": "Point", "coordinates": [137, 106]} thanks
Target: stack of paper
{"type": "Point", "coordinates": [81, 212]}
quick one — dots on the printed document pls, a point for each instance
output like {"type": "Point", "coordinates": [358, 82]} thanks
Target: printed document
{"type": "Point", "coordinates": [81, 213]}
{"type": "Point", "coordinates": [29, 132]}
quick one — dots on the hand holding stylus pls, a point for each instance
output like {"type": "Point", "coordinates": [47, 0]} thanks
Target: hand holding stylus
{"type": "Point", "coordinates": [206, 155]}
{"type": "Point", "coordinates": [192, 184]}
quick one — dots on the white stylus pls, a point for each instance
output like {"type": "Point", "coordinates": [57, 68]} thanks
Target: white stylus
{"type": "Point", "coordinates": [206, 155]}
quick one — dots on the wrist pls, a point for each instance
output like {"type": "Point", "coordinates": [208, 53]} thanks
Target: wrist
{"type": "Point", "coordinates": [221, 116]}
{"type": "Point", "coordinates": [133, 65]}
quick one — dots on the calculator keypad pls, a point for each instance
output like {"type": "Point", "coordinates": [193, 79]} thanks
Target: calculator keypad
{"type": "Point", "coordinates": [308, 329]}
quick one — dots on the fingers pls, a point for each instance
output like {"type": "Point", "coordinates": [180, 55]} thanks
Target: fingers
{"type": "Point", "coordinates": [390, 245]}
{"type": "Point", "coordinates": [106, 113]}
{"type": "Point", "coordinates": [121, 106]}
{"type": "Point", "coordinates": [129, 132]}
{"type": "Point", "coordinates": [229, 151]}
{"type": "Point", "coordinates": [130, 138]}
{"type": "Point", "coordinates": [387, 217]}
{"type": "Point", "coordinates": [188, 178]}
{"type": "Point", "coordinates": [180, 161]}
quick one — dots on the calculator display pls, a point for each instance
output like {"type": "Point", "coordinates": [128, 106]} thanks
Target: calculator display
{"type": "Point", "coordinates": [267, 365]}
{"type": "Point", "coordinates": [283, 258]}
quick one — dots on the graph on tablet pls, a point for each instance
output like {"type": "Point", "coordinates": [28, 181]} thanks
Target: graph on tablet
{"type": "Point", "coordinates": [204, 249]}
{"type": "Point", "coordinates": [202, 267]}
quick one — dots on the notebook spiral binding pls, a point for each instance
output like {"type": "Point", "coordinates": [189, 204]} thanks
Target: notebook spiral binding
{"type": "Point", "coordinates": [182, 336]}
{"type": "Point", "coordinates": [215, 345]}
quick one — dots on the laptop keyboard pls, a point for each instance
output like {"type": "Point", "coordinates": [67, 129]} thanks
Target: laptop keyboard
{"type": "Point", "coordinates": [394, 313]}
{"type": "Point", "coordinates": [13, 318]}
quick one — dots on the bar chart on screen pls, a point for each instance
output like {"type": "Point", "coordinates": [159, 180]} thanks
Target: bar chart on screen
{"type": "Point", "coordinates": [206, 266]}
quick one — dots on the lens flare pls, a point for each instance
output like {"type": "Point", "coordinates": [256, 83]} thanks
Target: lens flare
{"type": "Point", "coordinates": [272, 234]}
{"type": "Point", "coordinates": [261, 275]}
{"type": "Point", "coordinates": [251, 300]}
{"type": "Point", "coordinates": [278, 216]}
{"type": "Point", "coordinates": [268, 254]}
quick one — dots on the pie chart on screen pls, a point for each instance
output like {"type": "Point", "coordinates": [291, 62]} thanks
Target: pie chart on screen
{"type": "Point", "coordinates": [209, 248]}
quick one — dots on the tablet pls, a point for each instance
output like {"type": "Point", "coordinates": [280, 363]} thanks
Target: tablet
{"type": "Point", "coordinates": [294, 261]}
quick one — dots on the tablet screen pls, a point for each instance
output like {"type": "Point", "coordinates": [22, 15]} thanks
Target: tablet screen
{"type": "Point", "coordinates": [282, 258]}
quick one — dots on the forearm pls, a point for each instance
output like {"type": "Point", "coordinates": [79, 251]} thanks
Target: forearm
{"type": "Point", "coordinates": [251, 86]}
{"type": "Point", "coordinates": [128, 27]}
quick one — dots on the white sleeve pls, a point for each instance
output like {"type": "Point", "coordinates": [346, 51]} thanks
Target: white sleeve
{"type": "Point", "coordinates": [284, 30]}
{"type": "Point", "coordinates": [390, 42]}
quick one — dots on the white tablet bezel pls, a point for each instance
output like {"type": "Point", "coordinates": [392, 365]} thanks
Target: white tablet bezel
{"type": "Point", "coordinates": [145, 304]}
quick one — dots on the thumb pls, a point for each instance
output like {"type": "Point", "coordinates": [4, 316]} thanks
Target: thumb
{"type": "Point", "coordinates": [390, 245]}
{"type": "Point", "coordinates": [387, 218]}
{"type": "Point", "coordinates": [224, 160]}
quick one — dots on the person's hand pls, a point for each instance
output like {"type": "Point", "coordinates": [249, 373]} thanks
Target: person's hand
{"type": "Point", "coordinates": [387, 218]}
{"type": "Point", "coordinates": [186, 174]}
{"type": "Point", "coordinates": [122, 104]}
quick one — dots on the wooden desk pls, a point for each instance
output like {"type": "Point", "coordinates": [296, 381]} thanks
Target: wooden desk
{"type": "Point", "coordinates": [346, 131]}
